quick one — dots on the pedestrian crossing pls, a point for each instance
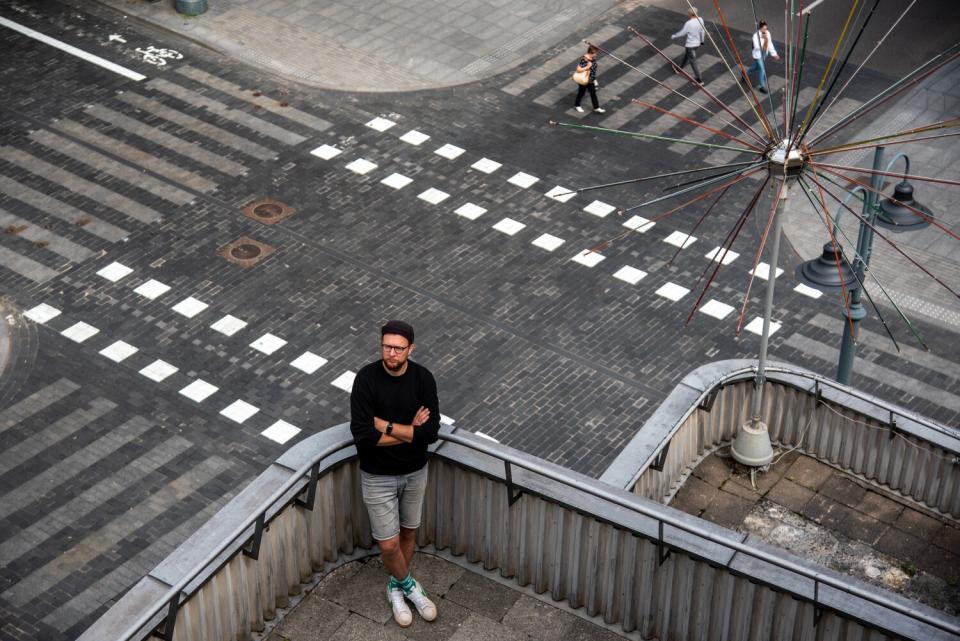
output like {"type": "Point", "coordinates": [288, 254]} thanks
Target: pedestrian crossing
{"type": "Point", "coordinates": [71, 189]}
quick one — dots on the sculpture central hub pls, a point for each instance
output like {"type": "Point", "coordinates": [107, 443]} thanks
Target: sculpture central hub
{"type": "Point", "coordinates": [781, 162]}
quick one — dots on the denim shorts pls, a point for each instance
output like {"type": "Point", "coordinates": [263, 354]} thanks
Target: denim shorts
{"type": "Point", "coordinates": [393, 501]}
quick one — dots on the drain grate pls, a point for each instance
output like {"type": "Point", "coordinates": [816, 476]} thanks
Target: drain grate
{"type": "Point", "coordinates": [267, 210]}
{"type": "Point", "coordinates": [245, 251]}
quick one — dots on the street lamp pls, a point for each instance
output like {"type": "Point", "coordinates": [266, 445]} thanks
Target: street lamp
{"type": "Point", "coordinates": [890, 214]}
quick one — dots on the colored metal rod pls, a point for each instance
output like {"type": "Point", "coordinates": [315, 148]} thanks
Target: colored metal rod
{"type": "Point", "coordinates": [696, 124]}
{"type": "Point", "coordinates": [668, 88]}
{"type": "Point", "coordinates": [943, 124]}
{"type": "Point", "coordinates": [756, 27]}
{"type": "Point", "coordinates": [701, 179]}
{"type": "Point", "coordinates": [890, 242]}
{"type": "Point", "coordinates": [858, 147]}
{"type": "Point", "coordinates": [867, 59]}
{"type": "Point", "coordinates": [716, 100]}
{"type": "Point", "coordinates": [748, 172]}
{"type": "Point", "coordinates": [636, 134]}
{"type": "Point", "coordinates": [881, 98]}
{"type": "Point", "coordinates": [826, 71]}
{"type": "Point", "coordinates": [700, 220]}
{"type": "Point", "coordinates": [940, 181]}
{"type": "Point", "coordinates": [757, 108]}
{"type": "Point", "coordinates": [756, 261]}
{"type": "Point", "coordinates": [836, 76]}
{"type": "Point", "coordinates": [727, 244]}
{"type": "Point", "coordinates": [647, 178]}
{"type": "Point", "coordinates": [930, 219]}
{"type": "Point", "coordinates": [796, 86]}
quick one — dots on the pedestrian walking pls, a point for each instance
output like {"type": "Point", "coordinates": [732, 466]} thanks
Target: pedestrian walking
{"type": "Point", "coordinates": [694, 34]}
{"type": "Point", "coordinates": [588, 63]}
{"type": "Point", "coordinates": [762, 47]}
{"type": "Point", "coordinates": [394, 416]}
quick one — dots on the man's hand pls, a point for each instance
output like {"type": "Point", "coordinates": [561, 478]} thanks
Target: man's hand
{"type": "Point", "coordinates": [421, 417]}
{"type": "Point", "coordinates": [777, 58]}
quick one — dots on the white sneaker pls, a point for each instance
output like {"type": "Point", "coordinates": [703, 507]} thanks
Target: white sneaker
{"type": "Point", "coordinates": [579, 108]}
{"type": "Point", "coordinates": [420, 600]}
{"type": "Point", "coordinates": [600, 110]}
{"type": "Point", "coordinates": [401, 613]}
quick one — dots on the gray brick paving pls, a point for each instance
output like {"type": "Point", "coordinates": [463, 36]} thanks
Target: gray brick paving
{"type": "Point", "coordinates": [205, 129]}
{"type": "Point", "coordinates": [70, 181]}
{"type": "Point", "coordinates": [124, 172]}
{"type": "Point", "coordinates": [62, 246]}
{"type": "Point", "coordinates": [247, 120]}
{"type": "Point", "coordinates": [62, 210]}
{"type": "Point", "coordinates": [35, 402]}
{"type": "Point", "coordinates": [27, 267]}
{"type": "Point", "coordinates": [134, 155]}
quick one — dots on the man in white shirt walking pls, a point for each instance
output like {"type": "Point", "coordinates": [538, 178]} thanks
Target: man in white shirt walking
{"type": "Point", "coordinates": [694, 33]}
{"type": "Point", "coordinates": [762, 47]}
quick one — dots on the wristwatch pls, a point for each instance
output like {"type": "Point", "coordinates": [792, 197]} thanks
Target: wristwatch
{"type": "Point", "coordinates": [389, 429]}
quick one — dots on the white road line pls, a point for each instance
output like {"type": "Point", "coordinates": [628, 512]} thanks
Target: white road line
{"type": "Point", "coordinates": [63, 46]}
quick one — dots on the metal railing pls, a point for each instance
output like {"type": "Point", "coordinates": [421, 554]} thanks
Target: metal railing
{"type": "Point", "coordinates": [309, 473]}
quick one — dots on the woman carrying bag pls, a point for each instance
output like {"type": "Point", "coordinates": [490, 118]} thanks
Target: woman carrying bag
{"type": "Point", "coordinates": [586, 77]}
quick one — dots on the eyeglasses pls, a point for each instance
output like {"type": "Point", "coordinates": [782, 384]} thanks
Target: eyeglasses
{"type": "Point", "coordinates": [396, 349]}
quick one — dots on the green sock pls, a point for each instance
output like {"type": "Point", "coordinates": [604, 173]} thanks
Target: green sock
{"type": "Point", "coordinates": [393, 584]}
{"type": "Point", "coordinates": [407, 584]}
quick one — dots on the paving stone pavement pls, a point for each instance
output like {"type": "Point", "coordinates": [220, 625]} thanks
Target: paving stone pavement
{"type": "Point", "coordinates": [153, 377]}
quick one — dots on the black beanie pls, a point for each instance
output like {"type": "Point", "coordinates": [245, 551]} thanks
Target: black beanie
{"type": "Point", "coordinates": [399, 328]}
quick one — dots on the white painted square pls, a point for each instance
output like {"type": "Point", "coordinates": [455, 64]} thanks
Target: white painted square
{"type": "Point", "coordinates": [326, 152]}
{"type": "Point", "coordinates": [152, 289]}
{"type": "Point", "coordinates": [486, 165]}
{"type": "Point", "coordinates": [588, 258]}
{"type": "Point", "coordinates": [672, 291]}
{"type": "Point", "coordinates": [239, 411]}
{"type": "Point", "coordinates": [42, 313]}
{"type": "Point", "coordinates": [199, 390]}
{"type": "Point", "coordinates": [190, 307]}
{"type": "Point", "coordinates": [523, 180]}
{"type": "Point", "coordinates": [450, 152]}
{"type": "Point", "coordinates": [470, 211]}
{"type": "Point", "coordinates": [115, 271]}
{"type": "Point", "coordinates": [158, 370]}
{"type": "Point", "coordinates": [434, 196]}
{"type": "Point", "coordinates": [756, 326]}
{"type": "Point", "coordinates": [446, 420]}
{"type": "Point", "coordinates": [79, 332]}
{"type": "Point", "coordinates": [118, 351]}
{"type": "Point", "coordinates": [716, 309]}
{"type": "Point", "coordinates": [599, 209]}
{"type": "Point", "coordinates": [308, 362]}
{"type": "Point", "coordinates": [380, 124]}
{"type": "Point", "coordinates": [763, 271]}
{"type": "Point", "coordinates": [562, 194]}
{"type": "Point", "coordinates": [281, 432]}
{"type": "Point", "coordinates": [397, 181]}
{"type": "Point", "coordinates": [680, 239]}
{"type": "Point", "coordinates": [639, 224]}
{"type": "Point", "coordinates": [415, 137]}
{"type": "Point", "coordinates": [344, 381]}
{"type": "Point", "coordinates": [268, 343]}
{"type": "Point", "coordinates": [630, 274]}
{"type": "Point", "coordinates": [728, 257]}
{"type": "Point", "coordinates": [806, 290]}
{"type": "Point", "coordinates": [486, 436]}
{"type": "Point", "coordinates": [229, 325]}
{"type": "Point", "coordinates": [509, 226]}
{"type": "Point", "coordinates": [361, 166]}
{"type": "Point", "coordinates": [548, 242]}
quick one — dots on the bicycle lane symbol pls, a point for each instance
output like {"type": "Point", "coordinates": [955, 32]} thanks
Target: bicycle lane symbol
{"type": "Point", "coordinates": [156, 56]}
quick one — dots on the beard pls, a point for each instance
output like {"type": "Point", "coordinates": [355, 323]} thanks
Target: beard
{"type": "Point", "coordinates": [394, 368]}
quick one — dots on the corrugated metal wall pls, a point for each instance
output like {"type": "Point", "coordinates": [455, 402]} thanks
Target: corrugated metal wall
{"type": "Point", "coordinates": [845, 438]}
{"type": "Point", "coordinates": [607, 570]}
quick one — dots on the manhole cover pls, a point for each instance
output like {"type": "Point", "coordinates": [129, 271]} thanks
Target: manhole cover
{"type": "Point", "coordinates": [267, 210]}
{"type": "Point", "coordinates": [245, 251]}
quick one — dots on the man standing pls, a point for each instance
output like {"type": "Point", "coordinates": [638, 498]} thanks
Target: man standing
{"type": "Point", "coordinates": [394, 416]}
{"type": "Point", "coordinates": [694, 33]}
{"type": "Point", "coordinates": [762, 47]}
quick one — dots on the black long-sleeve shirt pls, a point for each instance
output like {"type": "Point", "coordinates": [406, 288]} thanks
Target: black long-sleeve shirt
{"type": "Point", "coordinates": [396, 399]}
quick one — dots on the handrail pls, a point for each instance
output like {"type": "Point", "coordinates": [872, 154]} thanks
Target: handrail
{"type": "Point", "coordinates": [631, 503]}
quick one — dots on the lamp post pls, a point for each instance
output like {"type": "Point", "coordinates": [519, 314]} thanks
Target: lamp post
{"type": "Point", "coordinates": [890, 214]}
